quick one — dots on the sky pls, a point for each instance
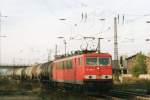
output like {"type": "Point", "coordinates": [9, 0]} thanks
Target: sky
{"type": "Point", "coordinates": [32, 27]}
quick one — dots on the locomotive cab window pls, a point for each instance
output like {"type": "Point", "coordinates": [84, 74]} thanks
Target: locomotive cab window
{"type": "Point", "coordinates": [79, 61]}
{"type": "Point", "coordinates": [104, 61]}
{"type": "Point", "coordinates": [91, 61]}
{"type": "Point", "coordinates": [69, 64]}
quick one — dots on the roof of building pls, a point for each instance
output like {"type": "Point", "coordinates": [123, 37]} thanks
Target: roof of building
{"type": "Point", "coordinates": [135, 56]}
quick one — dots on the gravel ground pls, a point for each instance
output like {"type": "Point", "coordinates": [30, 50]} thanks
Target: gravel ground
{"type": "Point", "coordinates": [17, 90]}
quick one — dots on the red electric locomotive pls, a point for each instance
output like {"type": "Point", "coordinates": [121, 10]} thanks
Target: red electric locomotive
{"type": "Point", "coordinates": [87, 70]}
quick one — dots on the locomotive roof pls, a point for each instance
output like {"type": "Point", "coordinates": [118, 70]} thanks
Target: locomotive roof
{"type": "Point", "coordinates": [82, 54]}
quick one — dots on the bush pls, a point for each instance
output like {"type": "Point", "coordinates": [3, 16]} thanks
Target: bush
{"type": "Point", "coordinates": [139, 65]}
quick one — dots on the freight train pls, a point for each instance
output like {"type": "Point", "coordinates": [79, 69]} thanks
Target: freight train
{"type": "Point", "coordinates": [90, 70]}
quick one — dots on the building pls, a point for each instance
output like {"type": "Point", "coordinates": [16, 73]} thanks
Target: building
{"type": "Point", "coordinates": [131, 60]}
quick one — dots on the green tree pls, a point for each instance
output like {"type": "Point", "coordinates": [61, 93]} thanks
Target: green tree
{"type": "Point", "coordinates": [139, 66]}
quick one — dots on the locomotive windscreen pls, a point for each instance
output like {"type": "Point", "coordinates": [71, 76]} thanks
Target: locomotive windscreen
{"type": "Point", "coordinates": [104, 61]}
{"type": "Point", "coordinates": [92, 61]}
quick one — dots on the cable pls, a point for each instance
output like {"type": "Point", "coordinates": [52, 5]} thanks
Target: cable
{"type": "Point", "coordinates": [46, 4]}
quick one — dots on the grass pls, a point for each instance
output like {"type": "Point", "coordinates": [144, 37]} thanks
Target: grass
{"type": "Point", "coordinates": [133, 84]}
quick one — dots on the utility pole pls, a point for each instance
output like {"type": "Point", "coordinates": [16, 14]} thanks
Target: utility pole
{"type": "Point", "coordinates": [0, 33]}
{"type": "Point", "coordinates": [65, 43]}
{"type": "Point", "coordinates": [49, 55]}
{"type": "Point", "coordinates": [56, 51]}
{"type": "Point", "coordinates": [65, 46]}
{"type": "Point", "coordinates": [99, 45]}
{"type": "Point", "coordinates": [116, 65]}
{"type": "Point", "coordinates": [14, 61]}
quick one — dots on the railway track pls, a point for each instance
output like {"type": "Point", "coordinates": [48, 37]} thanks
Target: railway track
{"type": "Point", "coordinates": [120, 95]}
{"type": "Point", "coordinates": [128, 95]}
{"type": "Point", "coordinates": [112, 95]}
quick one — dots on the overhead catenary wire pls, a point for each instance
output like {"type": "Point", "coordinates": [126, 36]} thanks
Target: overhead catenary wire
{"type": "Point", "coordinates": [123, 16]}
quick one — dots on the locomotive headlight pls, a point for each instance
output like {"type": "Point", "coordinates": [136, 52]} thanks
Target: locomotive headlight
{"type": "Point", "coordinates": [98, 68]}
{"type": "Point", "coordinates": [106, 77]}
{"type": "Point", "coordinates": [90, 76]}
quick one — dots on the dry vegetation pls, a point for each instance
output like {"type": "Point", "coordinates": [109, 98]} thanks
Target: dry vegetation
{"type": "Point", "coordinates": [133, 84]}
